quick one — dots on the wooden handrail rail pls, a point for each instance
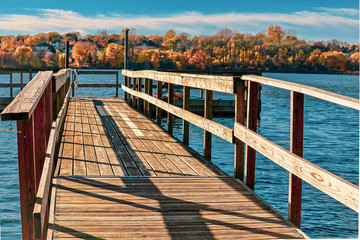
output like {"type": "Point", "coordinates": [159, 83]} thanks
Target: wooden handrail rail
{"type": "Point", "coordinates": [307, 90]}
{"type": "Point", "coordinates": [223, 84]}
{"type": "Point", "coordinates": [334, 186]}
{"type": "Point", "coordinates": [23, 106]}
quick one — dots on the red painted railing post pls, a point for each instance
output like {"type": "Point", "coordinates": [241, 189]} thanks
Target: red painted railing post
{"type": "Point", "coordinates": [296, 147]}
{"type": "Point", "coordinates": [239, 118]}
{"type": "Point", "coordinates": [252, 113]}
{"type": "Point", "coordinates": [25, 139]}
{"type": "Point", "coordinates": [159, 96]}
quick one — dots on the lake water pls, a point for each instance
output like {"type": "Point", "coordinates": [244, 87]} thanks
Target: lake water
{"type": "Point", "coordinates": [331, 141]}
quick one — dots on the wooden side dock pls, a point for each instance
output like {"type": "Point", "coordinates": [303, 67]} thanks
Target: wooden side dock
{"type": "Point", "coordinates": [121, 176]}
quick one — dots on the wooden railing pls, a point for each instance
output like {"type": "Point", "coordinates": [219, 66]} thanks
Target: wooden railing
{"type": "Point", "coordinates": [98, 85]}
{"type": "Point", "coordinates": [244, 162]}
{"type": "Point", "coordinates": [36, 109]}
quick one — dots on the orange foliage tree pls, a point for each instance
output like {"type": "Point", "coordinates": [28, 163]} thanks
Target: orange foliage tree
{"type": "Point", "coordinates": [83, 53]}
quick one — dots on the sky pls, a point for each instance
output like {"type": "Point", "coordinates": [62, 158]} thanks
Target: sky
{"type": "Point", "coordinates": [312, 20]}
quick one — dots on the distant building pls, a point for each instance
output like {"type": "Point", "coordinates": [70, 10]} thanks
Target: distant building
{"type": "Point", "coordinates": [58, 45]}
{"type": "Point", "coordinates": [44, 47]}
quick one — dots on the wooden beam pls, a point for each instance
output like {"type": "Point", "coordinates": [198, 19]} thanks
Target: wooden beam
{"type": "Point", "coordinates": [206, 124]}
{"type": "Point", "coordinates": [146, 90]}
{"type": "Point", "coordinates": [208, 114]}
{"type": "Point", "coordinates": [296, 147]}
{"type": "Point", "coordinates": [22, 107]}
{"type": "Point", "coordinates": [239, 118]}
{"type": "Point", "coordinates": [208, 82]}
{"type": "Point", "coordinates": [332, 185]}
{"type": "Point", "coordinates": [251, 122]}
{"type": "Point", "coordinates": [117, 84]}
{"type": "Point", "coordinates": [307, 90]}
{"type": "Point", "coordinates": [170, 117]}
{"type": "Point", "coordinates": [11, 85]}
{"type": "Point", "coordinates": [186, 106]}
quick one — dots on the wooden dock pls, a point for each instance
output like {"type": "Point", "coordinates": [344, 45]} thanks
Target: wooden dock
{"type": "Point", "coordinates": [119, 175]}
{"type": "Point", "coordinates": [99, 168]}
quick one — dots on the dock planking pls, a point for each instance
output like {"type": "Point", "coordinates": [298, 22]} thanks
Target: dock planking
{"type": "Point", "coordinates": [119, 175]}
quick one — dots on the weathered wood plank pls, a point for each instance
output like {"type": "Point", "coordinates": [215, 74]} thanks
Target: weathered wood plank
{"type": "Point", "coordinates": [239, 118]}
{"type": "Point", "coordinates": [310, 91]}
{"type": "Point", "coordinates": [341, 190]}
{"type": "Point", "coordinates": [208, 114]}
{"type": "Point", "coordinates": [186, 106]}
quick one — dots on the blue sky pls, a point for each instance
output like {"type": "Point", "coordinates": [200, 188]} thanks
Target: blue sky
{"type": "Point", "coordinates": [310, 19]}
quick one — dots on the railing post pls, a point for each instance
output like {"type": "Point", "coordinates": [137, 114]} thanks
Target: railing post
{"type": "Point", "coordinates": [134, 80]}
{"type": "Point", "coordinates": [126, 84]}
{"type": "Point", "coordinates": [186, 106]}
{"type": "Point", "coordinates": [150, 92]}
{"type": "Point", "coordinates": [117, 84]}
{"type": "Point", "coordinates": [48, 110]}
{"type": "Point", "coordinates": [208, 113]}
{"type": "Point", "coordinates": [30, 75]}
{"type": "Point", "coordinates": [146, 90]}
{"type": "Point", "coordinates": [252, 113]}
{"type": "Point", "coordinates": [11, 86]}
{"type": "Point", "coordinates": [170, 117]}
{"type": "Point", "coordinates": [159, 96]}
{"type": "Point", "coordinates": [139, 100]}
{"type": "Point", "coordinates": [73, 84]}
{"type": "Point", "coordinates": [239, 118]}
{"type": "Point", "coordinates": [126, 53]}
{"type": "Point", "coordinates": [21, 81]}
{"type": "Point", "coordinates": [296, 147]}
{"type": "Point", "coordinates": [25, 129]}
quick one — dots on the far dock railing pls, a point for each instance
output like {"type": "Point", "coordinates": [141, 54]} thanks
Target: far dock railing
{"type": "Point", "coordinates": [98, 85]}
{"type": "Point", "coordinates": [40, 110]}
{"type": "Point", "coordinates": [244, 162]}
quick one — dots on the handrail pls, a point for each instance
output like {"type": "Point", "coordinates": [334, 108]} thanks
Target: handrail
{"type": "Point", "coordinates": [23, 106]}
{"type": "Point", "coordinates": [307, 90]}
{"type": "Point", "coordinates": [299, 168]}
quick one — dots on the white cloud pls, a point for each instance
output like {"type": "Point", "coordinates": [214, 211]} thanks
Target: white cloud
{"type": "Point", "coordinates": [307, 23]}
{"type": "Point", "coordinates": [340, 11]}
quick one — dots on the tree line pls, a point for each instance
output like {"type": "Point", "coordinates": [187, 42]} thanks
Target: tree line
{"type": "Point", "coordinates": [270, 50]}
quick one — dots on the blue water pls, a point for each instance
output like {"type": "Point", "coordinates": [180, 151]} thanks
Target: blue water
{"type": "Point", "coordinates": [331, 141]}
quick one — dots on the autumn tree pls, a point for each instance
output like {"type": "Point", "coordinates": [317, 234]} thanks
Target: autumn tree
{"type": "Point", "coordinates": [114, 55]}
{"type": "Point", "coordinates": [83, 53]}
{"type": "Point", "coordinates": [8, 43]}
{"type": "Point", "coordinates": [23, 55]}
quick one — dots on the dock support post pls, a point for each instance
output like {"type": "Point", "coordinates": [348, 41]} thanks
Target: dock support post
{"type": "Point", "coordinates": [159, 96]}
{"type": "Point", "coordinates": [150, 92]}
{"type": "Point", "coordinates": [186, 106]}
{"type": "Point", "coordinates": [296, 147]}
{"type": "Point", "coordinates": [170, 117]}
{"type": "Point", "coordinates": [126, 53]}
{"type": "Point", "coordinates": [26, 175]}
{"type": "Point", "coordinates": [140, 101]}
{"type": "Point", "coordinates": [67, 53]}
{"type": "Point", "coordinates": [252, 113]}
{"type": "Point", "coordinates": [208, 113]}
{"type": "Point", "coordinates": [239, 118]}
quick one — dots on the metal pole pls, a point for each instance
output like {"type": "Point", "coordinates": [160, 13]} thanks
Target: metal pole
{"type": "Point", "coordinates": [126, 55]}
{"type": "Point", "coordinates": [67, 55]}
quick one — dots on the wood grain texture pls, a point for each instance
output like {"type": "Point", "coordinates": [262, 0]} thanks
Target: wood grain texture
{"type": "Point", "coordinates": [334, 186]}
{"type": "Point", "coordinates": [163, 208]}
{"type": "Point", "coordinates": [239, 118]}
{"type": "Point", "coordinates": [307, 90]}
